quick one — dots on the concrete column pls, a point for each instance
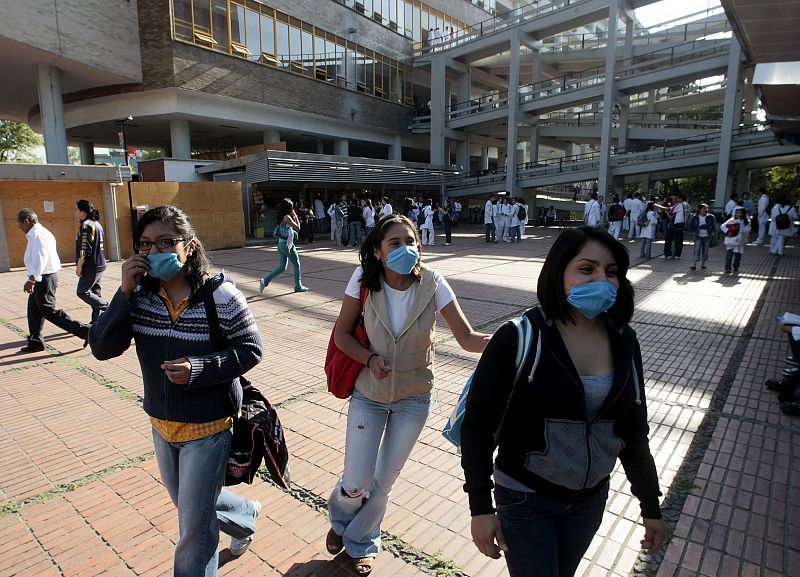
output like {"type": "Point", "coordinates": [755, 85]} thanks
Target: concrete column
{"type": "Point", "coordinates": [396, 148]}
{"type": "Point", "coordinates": [730, 119]}
{"type": "Point", "coordinates": [513, 113]}
{"type": "Point", "coordinates": [484, 158]}
{"type": "Point", "coordinates": [271, 135]}
{"type": "Point", "coordinates": [181, 138]}
{"type": "Point", "coordinates": [51, 111]}
{"type": "Point", "coordinates": [110, 219]}
{"type": "Point", "coordinates": [438, 95]}
{"type": "Point", "coordinates": [622, 130]}
{"type": "Point", "coordinates": [608, 99]}
{"type": "Point", "coordinates": [341, 147]}
{"type": "Point", "coordinates": [536, 66]}
{"type": "Point", "coordinates": [462, 153]}
{"type": "Point", "coordinates": [463, 90]}
{"type": "Point", "coordinates": [535, 144]}
{"type": "Point", "coordinates": [87, 153]}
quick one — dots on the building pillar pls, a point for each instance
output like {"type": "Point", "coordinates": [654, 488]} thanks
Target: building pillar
{"type": "Point", "coordinates": [271, 135]}
{"type": "Point", "coordinates": [730, 119]}
{"type": "Point", "coordinates": [608, 99]}
{"type": "Point", "coordinates": [87, 153]}
{"type": "Point", "coordinates": [462, 154]}
{"type": "Point", "coordinates": [512, 186]}
{"type": "Point", "coordinates": [181, 139]}
{"type": "Point", "coordinates": [51, 112]}
{"type": "Point", "coordinates": [535, 144]}
{"type": "Point", "coordinates": [438, 104]}
{"type": "Point", "coordinates": [484, 158]}
{"type": "Point", "coordinates": [396, 148]}
{"type": "Point", "coordinates": [341, 147]}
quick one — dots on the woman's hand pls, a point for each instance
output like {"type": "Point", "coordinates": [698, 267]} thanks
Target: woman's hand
{"type": "Point", "coordinates": [487, 536]}
{"type": "Point", "coordinates": [379, 367]}
{"type": "Point", "coordinates": [178, 371]}
{"type": "Point", "coordinates": [133, 270]}
{"type": "Point", "coordinates": [654, 534]}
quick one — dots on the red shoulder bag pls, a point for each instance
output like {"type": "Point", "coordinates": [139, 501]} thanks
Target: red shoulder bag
{"type": "Point", "coordinates": [341, 370]}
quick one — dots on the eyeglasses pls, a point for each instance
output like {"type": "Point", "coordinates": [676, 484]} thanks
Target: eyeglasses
{"type": "Point", "coordinates": [160, 244]}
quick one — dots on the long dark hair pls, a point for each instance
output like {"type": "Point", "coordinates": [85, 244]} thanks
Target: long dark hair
{"type": "Point", "coordinates": [88, 208]}
{"type": "Point", "coordinates": [285, 206]}
{"type": "Point", "coordinates": [197, 264]}
{"type": "Point", "coordinates": [373, 266]}
{"type": "Point", "coordinates": [550, 289]}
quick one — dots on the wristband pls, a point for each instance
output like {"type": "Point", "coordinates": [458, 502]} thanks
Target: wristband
{"type": "Point", "coordinates": [370, 358]}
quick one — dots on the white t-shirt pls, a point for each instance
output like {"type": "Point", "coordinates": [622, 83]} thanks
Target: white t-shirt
{"type": "Point", "coordinates": [369, 216]}
{"type": "Point", "coordinates": [428, 212]}
{"type": "Point", "coordinates": [386, 210]}
{"type": "Point", "coordinates": [701, 222]}
{"type": "Point", "coordinates": [399, 302]}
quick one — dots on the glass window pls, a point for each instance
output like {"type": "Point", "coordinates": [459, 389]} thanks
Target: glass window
{"type": "Point", "coordinates": [367, 7]}
{"type": "Point", "coordinates": [341, 65]}
{"type": "Point", "coordinates": [295, 45]}
{"type": "Point", "coordinates": [253, 35]}
{"type": "Point", "coordinates": [202, 15]}
{"type": "Point", "coordinates": [308, 50]}
{"type": "Point", "coordinates": [282, 37]}
{"type": "Point", "coordinates": [369, 70]}
{"type": "Point", "coordinates": [393, 13]}
{"type": "Point", "coordinates": [182, 9]}
{"type": "Point", "coordinates": [238, 33]}
{"type": "Point", "coordinates": [219, 15]}
{"type": "Point", "coordinates": [267, 34]}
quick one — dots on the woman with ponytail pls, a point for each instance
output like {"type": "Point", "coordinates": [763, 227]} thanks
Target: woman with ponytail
{"type": "Point", "coordinates": [90, 259]}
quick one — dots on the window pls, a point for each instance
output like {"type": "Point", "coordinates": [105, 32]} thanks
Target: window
{"type": "Point", "coordinates": [253, 34]}
{"type": "Point", "coordinates": [219, 13]}
{"type": "Point", "coordinates": [267, 34]}
{"type": "Point", "coordinates": [282, 36]}
{"type": "Point", "coordinates": [182, 10]}
{"type": "Point", "coordinates": [238, 33]}
{"type": "Point", "coordinates": [202, 15]}
{"type": "Point", "coordinates": [295, 50]}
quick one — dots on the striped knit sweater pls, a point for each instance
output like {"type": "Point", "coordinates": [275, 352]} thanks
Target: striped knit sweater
{"type": "Point", "coordinates": [213, 391]}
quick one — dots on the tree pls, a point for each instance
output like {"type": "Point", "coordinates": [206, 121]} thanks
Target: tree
{"type": "Point", "coordinates": [17, 142]}
{"type": "Point", "coordinates": [784, 181]}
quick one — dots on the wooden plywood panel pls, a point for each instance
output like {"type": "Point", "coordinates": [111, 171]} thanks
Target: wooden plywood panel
{"type": "Point", "coordinates": [62, 222]}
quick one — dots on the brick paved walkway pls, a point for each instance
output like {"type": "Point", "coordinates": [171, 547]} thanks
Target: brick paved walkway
{"type": "Point", "coordinates": [80, 492]}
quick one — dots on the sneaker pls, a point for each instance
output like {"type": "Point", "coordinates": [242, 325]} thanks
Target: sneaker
{"type": "Point", "coordinates": [790, 361]}
{"type": "Point", "coordinates": [239, 546]}
{"type": "Point", "coordinates": [447, 244]}
{"type": "Point", "coordinates": [31, 349]}
{"type": "Point", "coordinates": [692, 268]}
{"type": "Point", "coordinates": [791, 371]}
{"type": "Point", "coordinates": [791, 407]}
{"type": "Point", "coordinates": [262, 285]}
{"type": "Point", "coordinates": [300, 289]}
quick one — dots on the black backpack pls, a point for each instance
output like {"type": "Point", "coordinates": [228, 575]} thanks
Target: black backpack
{"type": "Point", "coordinates": [522, 214]}
{"type": "Point", "coordinates": [421, 217]}
{"type": "Point", "coordinates": [782, 220]}
{"type": "Point", "coordinates": [616, 212]}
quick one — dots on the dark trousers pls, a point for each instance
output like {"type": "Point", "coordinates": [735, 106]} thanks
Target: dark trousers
{"type": "Point", "coordinates": [448, 227]}
{"type": "Point", "coordinates": [42, 307]}
{"type": "Point", "coordinates": [490, 232]}
{"type": "Point", "coordinates": [732, 258]}
{"type": "Point", "coordinates": [677, 239]}
{"type": "Point", "coordinates": [90, 292]}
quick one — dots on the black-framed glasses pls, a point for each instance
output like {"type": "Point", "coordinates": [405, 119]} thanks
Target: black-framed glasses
{"type": "Point", "coordinates": [160, 244]}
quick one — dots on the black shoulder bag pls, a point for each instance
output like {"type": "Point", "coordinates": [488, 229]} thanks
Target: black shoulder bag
{"type": "Point", "coordinates": [257, 431]}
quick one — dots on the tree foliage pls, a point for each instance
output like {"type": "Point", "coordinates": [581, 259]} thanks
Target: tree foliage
{"type": "Point", "coordinates": [17, 142]}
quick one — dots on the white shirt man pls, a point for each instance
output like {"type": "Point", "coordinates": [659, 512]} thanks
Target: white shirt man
{"type": "Point", "coordinates": [386, 208]}
{"type": "Point", "coordinates": [332, 214]}
{"type": "Point", "coordinates": [637, 206]}
{"type": "Point", "coordinates": [488, 219]}
{"type": "Point", "coordinates": [593, 212]}
{"type": "Point", "coordinates": [763, 217]}
{"type": "Point", "coordinates": [730, 207]}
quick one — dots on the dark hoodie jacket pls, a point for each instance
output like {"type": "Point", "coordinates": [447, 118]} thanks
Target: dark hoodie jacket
{"type": "Point", "coordinates": [546, 442]}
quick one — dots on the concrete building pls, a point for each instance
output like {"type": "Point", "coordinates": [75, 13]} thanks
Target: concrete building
{"type": "Point", "coordinates": [362, 94]}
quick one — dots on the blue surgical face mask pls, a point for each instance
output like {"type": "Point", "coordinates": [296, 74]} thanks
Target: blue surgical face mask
{"type": "Point", "coordinates": [164, 265]}
{"type": "Point", "coordinates": [402, 259]}
{"type": "Point", "coordinates": [592, 298]}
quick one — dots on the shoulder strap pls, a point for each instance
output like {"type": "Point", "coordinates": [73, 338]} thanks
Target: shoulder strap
{"type": "Point", "coordinates": [362, 295]}
{"type": "Point", "coordinates": [214, 328]}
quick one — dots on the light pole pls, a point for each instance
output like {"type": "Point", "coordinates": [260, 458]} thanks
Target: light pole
{"type": "Point", "coordinates": [122, 122]}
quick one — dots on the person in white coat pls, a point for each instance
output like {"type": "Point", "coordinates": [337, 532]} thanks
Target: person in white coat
{"type": "Point", "coordinates": [779, 228]}
{"type": "Point", "coordinates": [763, 216]}
{"type": "Point", "coordinates": [593, 212]}
{"type": "Point", "coordinates": [502, 219]}
{"type": "Point", "coordinates": [488, 219]}
{"type": "Point", "coordinates": [332, 213]}
{"type": "Point", "coordinates": [426, 229]}
{"type": "Point", "coordinates": [647, 232]}
{"type": "Point", "coordinates": [637, 206]}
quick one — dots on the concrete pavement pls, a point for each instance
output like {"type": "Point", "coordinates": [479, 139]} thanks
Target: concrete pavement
{"type": "Point", "coordinates": [80, 491]}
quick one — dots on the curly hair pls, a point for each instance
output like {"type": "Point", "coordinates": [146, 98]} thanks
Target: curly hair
{"type": "Point", "coordinates": [197, 264]}
{"type": "Point", "coordinates": [372, 266]}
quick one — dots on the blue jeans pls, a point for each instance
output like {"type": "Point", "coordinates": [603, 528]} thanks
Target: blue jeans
{"type": "Point", "coordinates": [193, 472]}
{"type": "Point", "coordinates": [355, 233]}
{"type": "Point", "coordinates": [645, 250]}
{"type": "Point", "coordinates": [285, 255]}
{"type": "Point", "coordinates": [701, 248]}
{"type": "Point", "coordinates": [379, 440]}
{"type": "Point", "coordinates": [547, 537]}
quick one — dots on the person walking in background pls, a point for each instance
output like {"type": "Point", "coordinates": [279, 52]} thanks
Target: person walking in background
{"type": "Point", "coordinates": [354, 216]}
{"type": "Point", "coordinates": [616, 216]}
{"type": "Point", "coordinates": [647, 229]}
{"type": "Point", "coordinates": [306, 219]}
{"type": "Point", "coordinates": [191, 390]}
{"type": "Point", "coordinates": [386, 207]}
{"type": "Point", "coordinates": [593, 212]}
{"type": "Point", "coordinates": [319, 214]}
{"type": "Point", "coordinates": [703, 225]}
{"type": "Point", "coordinates": [446, 212]}
{"type": "Point", "coordinates": [679, 214]}
{"type": "Point", "coordinates": [42, 265]}
{"type": "Point", "coordinates": [763, 216]}
{"type": "Point", "coordinates": [426, 228]}
{"type": "Point", "coordinates": [577, 406]}
{"type": "Point", "coordinates": [286, 232]}
{"type": "Point", "coordinates": [391, 401]}
{"type": "Point", "coordinates": [341, 220]}
{"type": "Point", "coordinates": [735, 230]}
{"type": "Point", "coordinates": [369, 217]}
{"type": "Point", "coordinates": [781, 225]}
{"type": "Point", "coordinates": [332, 213]}
{"type": "Point", "coordinates": [90, 258]}
{"type": "Point", "coordinates": [488, 219]}
{"type": "Point", "coordinates": [502, 219]}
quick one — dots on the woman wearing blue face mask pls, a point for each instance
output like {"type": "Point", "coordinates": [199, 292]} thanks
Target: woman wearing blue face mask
{"type": "Point", "coordinates": [391, 400]}
{"type": "Point", "coordinates": [577, 407]}
{"type": "Point", "coordinates": [191, 390]}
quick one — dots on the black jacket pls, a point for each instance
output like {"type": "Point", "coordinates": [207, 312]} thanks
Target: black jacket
{"type": "Point", "coordinates": [546, 442]}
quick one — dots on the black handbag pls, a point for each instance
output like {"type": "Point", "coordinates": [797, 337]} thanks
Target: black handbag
{"type": "Point", "coordinates": [257, 430]}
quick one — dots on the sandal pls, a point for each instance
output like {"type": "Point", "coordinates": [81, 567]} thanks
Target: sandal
{"type": "Point", "coordinates": [333, 542]}
{"type": "Point", "coordinates": [363, 565]}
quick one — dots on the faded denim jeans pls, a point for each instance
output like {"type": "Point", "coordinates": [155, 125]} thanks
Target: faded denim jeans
{"type": "Point", "coordinates": [193, 472]}
{"type": "Point", "coordinates": [379, 440]}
